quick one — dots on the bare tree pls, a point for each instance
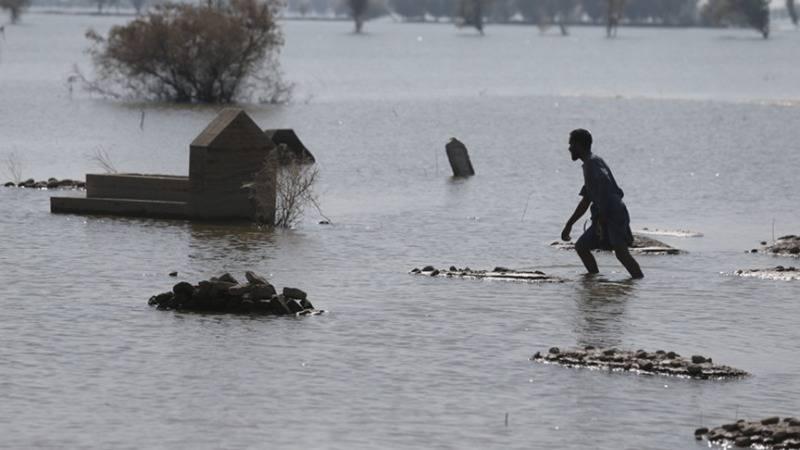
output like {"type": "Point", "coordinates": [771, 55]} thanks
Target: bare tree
{"type": "Point", "coordinates": [138, 5]}
{"type": "Point", "coordinates": [545, 13]}
{"type": "Point", "coordinates": [14, 166]}
{"type": "Point", "coordinates": [790, 7]}
{"type": "Point", "coordinates": [470, 12]}
{"type": "Point", "coordinates": [358, 9]}
{"type": "Point", "coordinates": [615, 8]}
{"type": "Point", "coordinates": [15, 8]}
{"type": "Point", "coordinates": [287, 186]}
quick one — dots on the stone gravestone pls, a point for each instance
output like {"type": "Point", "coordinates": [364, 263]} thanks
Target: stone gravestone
{"type": "Point", "coordinates": [459, 158]}
{"type": "Point", "coordinates": [223, 160]}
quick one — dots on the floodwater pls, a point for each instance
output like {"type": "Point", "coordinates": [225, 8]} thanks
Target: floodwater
{"type": "Point", "coordinates": [699, 126]}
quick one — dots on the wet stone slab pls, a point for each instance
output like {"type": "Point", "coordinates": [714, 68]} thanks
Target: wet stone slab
{"type": "Point", "coordinates": [640, 361]}
{"type": "Point", "coordinates": [225, 294]}
{"type": "Point", "coordinates": [498, 273]}
{"type": "Point", "coordinates": [768, 433]}
{"type": "Point", "coordinates": [641, 245]}
{"type": "Point", "coordinates": [777, 273]}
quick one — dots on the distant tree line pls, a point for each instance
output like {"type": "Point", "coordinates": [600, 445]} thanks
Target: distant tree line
{"type": "Point", "coordinates": [670, 12]}
{"type": "Point", "coordinates": [546, 13]}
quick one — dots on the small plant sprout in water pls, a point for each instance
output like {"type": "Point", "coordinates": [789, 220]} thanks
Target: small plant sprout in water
{"type": "Point", "coordinates": [14, 166]}
{"type": "Point", "coordinates": [103, 160]}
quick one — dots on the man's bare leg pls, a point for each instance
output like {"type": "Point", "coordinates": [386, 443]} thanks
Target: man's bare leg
{"type": "Point", "coordinates": [587, 258]}
{"type": "Point", "coordinates": [624, 256]}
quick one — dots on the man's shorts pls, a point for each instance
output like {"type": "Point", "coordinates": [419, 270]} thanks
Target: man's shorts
{"type": "Point", "coordinates": [611, 236]}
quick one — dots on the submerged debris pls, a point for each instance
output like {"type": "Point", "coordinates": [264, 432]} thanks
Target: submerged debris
{"type": "Point", "coordinates": [498, 273]}
{"type": "Point", "coordinates": [225, 294]}
{"type": "Point", "coordinates": [784, 246]}
{"type": "Point", "coordinates": [51, 183]}
{"type": "Point", "coordinates": [640, 361]}
{"type": "Point", "coordinates": [641, 244]}
{"type": "Point", "coordinates": [769, 433]}
{"type": "Point", "coordinates": [778, 273]}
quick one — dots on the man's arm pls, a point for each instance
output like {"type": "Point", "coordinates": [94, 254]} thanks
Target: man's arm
{"type": "Point", "coordinates": [580, 210]}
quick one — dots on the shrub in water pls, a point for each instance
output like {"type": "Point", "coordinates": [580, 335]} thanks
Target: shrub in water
{"type": "Point", "coordinates": [187, 53]}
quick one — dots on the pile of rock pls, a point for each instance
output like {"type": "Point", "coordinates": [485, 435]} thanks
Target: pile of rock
{"type": "Point", "coordinates": [778, 273]}
{"type": "Point", "coordinates": [784, 246]}
{"type": "Point", "coordinates": [641, 245]}
{"type": "Point", "coordinates": [640, 361]}
{"type": "Point", "coordinates": [51, 183]}
{"type": "Point", "coordinates": [225, 294]}
{"type": "Point", "coordinates": [769, 433]}
{"type": "Point", "coordinates": [498, 273]}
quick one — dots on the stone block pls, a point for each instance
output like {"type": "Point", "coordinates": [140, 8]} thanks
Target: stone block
{"type": "Point", "coordinates": [293, 148]}
{"type": "Point", "coordinates": [136, 186]}
{"type": "Point", "coordinates": [459, 158]}
{"type": "Point", "coordinates": [295, 293]}
{"type": "Point", "coordinates": [223, 161]}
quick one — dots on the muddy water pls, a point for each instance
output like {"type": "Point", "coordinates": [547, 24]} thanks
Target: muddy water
{"type": "Point", "coordinates": [402, 361]}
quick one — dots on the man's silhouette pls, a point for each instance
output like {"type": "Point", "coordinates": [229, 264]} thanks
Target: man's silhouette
{"type": "Point", "coordinates": [610, 229]}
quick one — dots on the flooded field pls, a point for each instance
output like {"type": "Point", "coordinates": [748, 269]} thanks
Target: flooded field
{"type": "Point", "coordinates": [699, 127]}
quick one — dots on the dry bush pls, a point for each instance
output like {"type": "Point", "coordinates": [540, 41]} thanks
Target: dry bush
{"type": "Point", "coordinates": [186, 53]}
{"type": "Point", "coordinates": [289, 187]}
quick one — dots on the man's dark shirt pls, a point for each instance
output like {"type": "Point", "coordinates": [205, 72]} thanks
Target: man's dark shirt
{"type": "Point", "coordinates": [602, 190]}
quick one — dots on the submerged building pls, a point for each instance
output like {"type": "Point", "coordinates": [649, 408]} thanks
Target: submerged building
{"type": "Point", "coordinates": [223, 161]}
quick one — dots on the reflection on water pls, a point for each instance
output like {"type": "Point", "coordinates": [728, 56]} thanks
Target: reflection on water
{"type": "Point", "coordinates": [242, 236]}
{"type": "Point", "coordinates": [601, 304]}
{"type": "Point", "coordinates": [219, 242]}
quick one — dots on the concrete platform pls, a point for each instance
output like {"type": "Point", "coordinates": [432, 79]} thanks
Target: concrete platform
{"type": "Point", "coordinates": [158, 209]}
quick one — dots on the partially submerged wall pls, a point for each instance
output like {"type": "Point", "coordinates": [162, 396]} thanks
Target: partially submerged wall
{"type": "Point", "coordinates": [136, 186]}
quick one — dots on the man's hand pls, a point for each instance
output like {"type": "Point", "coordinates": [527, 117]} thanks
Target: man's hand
{"type": "Point", "coordinates": [565, 233]}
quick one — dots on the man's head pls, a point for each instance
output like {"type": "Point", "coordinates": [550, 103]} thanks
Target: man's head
{"type": "Point", "coordinates": [580, 143]}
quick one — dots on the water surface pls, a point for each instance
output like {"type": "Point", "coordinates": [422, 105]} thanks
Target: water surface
{"type": "Point", "coordinates": [698, 126]}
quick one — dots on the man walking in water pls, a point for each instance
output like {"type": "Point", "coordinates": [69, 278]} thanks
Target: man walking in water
{"type": "Point", "coordinates": [610, 229]}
